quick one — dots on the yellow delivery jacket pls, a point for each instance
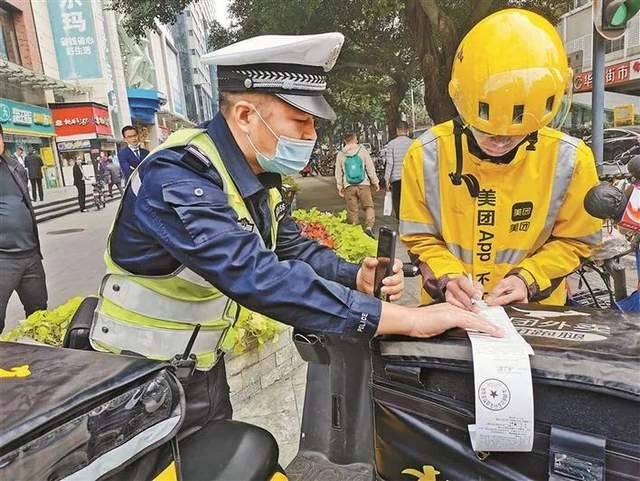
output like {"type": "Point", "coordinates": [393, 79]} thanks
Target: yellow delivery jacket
{"type": "Point", "coordinates": [527, 220]}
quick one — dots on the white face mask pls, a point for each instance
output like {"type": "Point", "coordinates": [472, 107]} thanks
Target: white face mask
{"type": "Point", "coordinates": [496, 145]}
{"type": "Point", "coordinates": [291, 156]}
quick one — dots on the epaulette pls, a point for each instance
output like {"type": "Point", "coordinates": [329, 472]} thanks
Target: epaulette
{"type": "Point", "coordinates": [195, 159]}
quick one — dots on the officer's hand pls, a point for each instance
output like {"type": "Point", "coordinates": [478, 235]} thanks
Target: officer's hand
{"type": "Point", "coordinates": [460, 290]}
{"type": "Point", "coordinates": [509, 290]}
{"type": "Point", "coordinates": [341, 192]}
{"type": "Point", "coordinates": [392, 286]}
{"type": "Point", "coordinates": [376, 187]}
{"type": "Point", "coordinates": [438, 318]}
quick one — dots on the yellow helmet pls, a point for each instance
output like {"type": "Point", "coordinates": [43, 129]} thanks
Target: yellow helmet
{"type": "Point", "coordinates": [510, 73]}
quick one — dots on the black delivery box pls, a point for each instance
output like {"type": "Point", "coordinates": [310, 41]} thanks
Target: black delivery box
{"type": "Point", "coordinates": [586, 385]}
{"type": "Point", "coordinates": [79, 415]}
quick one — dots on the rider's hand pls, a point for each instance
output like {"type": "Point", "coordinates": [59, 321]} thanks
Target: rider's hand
{"type": "Point", "coordinates": [509, 290]}
{"type": "Point", "coordinates": [392, 286]}
{"type": "Point", "coordinates": [437, 318]}
{"type": "Point", "coordinates": [460, 290]}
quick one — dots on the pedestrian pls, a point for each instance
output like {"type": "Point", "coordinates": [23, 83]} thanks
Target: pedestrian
{"type": "Point", "coordinates": [114, 176]}
{"type": "Point", "coordinates": [20, 258]}
{"type": "Point", "coordinates": [79, 182]}
{"type": "Point", "coordinates": [394, 153]}
{"type": "Point", "coordinates": [131, 156]}
{"type": "Point", "coordinates": [19, 155]}
{"type": "Point", "coordinates": [34, 165]}
{"type": "Point", "coordinates": [496, 196]}
{"type": "Point", "coordinates": [204, 218]}
{"type": "Point", "coordinates": [355, 175]}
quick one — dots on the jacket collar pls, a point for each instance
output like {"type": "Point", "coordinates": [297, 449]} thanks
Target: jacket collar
{"type": "Point", "coordinates": [233, 159]}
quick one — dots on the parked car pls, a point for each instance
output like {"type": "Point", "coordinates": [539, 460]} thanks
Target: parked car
{"type": "Point", "coordinates": [617, 141]}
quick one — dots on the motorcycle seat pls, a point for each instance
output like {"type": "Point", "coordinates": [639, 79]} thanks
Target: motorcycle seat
{"type": "Point", "coordinates": [229, 451]}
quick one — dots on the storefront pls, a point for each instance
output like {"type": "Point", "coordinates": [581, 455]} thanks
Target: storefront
{"type": "Point", "coordinates": [30, 127]}
{"type": "Point", "coordinates": [83, 130]}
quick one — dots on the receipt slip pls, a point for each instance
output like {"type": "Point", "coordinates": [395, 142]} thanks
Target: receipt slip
{"type": "Point", "coordinates": [503, 387]}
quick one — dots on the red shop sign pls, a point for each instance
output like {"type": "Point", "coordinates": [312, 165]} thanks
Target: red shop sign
{"type": "Point", "coordinates": [81, 118]}
{"type": "Point", "coordinates": [613, 74]}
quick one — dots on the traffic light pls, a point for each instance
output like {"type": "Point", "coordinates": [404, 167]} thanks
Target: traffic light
{"type": "Point", "coordinates": [616, 13]}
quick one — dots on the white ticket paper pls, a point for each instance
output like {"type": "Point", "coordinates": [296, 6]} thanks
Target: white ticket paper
{"type": "Point", "coordinates": [503, 387]}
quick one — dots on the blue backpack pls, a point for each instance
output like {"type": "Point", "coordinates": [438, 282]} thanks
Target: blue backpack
{"type": "Point", "coordinates": [354, 168]}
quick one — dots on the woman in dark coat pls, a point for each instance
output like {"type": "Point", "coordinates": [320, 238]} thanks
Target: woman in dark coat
{"type": "Point", "coordinates": [78, 181]}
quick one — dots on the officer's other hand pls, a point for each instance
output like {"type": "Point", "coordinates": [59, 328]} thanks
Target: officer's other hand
{"type": "Point", "coordinates": [438, 318]}
{"type": "Point", "coordinates": [460, 291]}
{"type": "Point", "coordinates": [509, 290]}
{"type": "Point", "coordinates": [392, 286]}
{"type": "Point", "coordinates": [341, 192]}
{"type": "Point", "coordinates": [376, 187]}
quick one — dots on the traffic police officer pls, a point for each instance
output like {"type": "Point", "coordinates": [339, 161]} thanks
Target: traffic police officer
{"type": "Point", "coordinates": [497, 194]}
{"type": "Point", "coordinates": [202, 229]}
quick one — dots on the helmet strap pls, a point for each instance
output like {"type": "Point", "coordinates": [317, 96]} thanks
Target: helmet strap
{"type": "Point", "coordinates": [473, 186]}
{"type": "Point", "coordinates": [532, 138]}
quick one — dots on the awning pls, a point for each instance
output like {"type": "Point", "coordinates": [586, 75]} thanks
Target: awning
{"type": "Point", "coordinates": [20, 76]}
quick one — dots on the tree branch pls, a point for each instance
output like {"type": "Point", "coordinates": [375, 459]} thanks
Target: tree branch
{"type": "Point", "coordinates": [478, 13]}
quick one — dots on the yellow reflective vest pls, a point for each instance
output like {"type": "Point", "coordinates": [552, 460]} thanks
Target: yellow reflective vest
{"type": "Point", "coordinates": [528, 218]}
{"type": "Point", "coordinates": [154, 316]}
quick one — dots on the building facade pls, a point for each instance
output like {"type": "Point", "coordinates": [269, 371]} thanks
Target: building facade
{"type": "Point", "coordinates": [26, 87]}
{"type": "Point", "coordinates": [622, 63]}
{"type": "Point", "coordinates": [191, 32]}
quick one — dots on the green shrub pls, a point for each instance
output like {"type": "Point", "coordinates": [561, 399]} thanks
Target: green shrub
{"type": "Point", "coordinates": [351, 243]}
{"type": "Point", "coordinates": [47, 327]}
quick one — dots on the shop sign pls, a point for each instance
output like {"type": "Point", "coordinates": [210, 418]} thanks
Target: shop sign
{"type": "Point", "coordinates": [613, 75]}
{"type": "Point", "coordinates": [26, 119]}
{"type": "Point", "coordinates": [74, 145]}
{"type": "Point", "coordinates": [74, 39]}
{"type": "Point", "coordinates": [76, 119]}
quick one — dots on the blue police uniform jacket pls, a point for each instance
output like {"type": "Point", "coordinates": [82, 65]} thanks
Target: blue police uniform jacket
{"type": "Point", "coordinates": [166, 225]}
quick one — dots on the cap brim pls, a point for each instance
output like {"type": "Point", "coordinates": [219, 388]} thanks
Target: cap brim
{"type": "Point", "coordinates": [315, 105]}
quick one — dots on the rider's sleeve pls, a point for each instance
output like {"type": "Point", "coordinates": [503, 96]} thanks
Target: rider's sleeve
{"type": "Point", "coordinates": [292, 245]}
{"type": "Point", "coordinates": [418, 230]}
{"type": "Point", "coordinates": [574, 235]}
{"type": "Point", "coordinates": [188, 214]}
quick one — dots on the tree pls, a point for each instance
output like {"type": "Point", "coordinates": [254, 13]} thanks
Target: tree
{"type": "Point", "coordinates": [141, 15]}
{"type": "Point", "coordinates": [376, 63]}
{"type": "Point", "coordinates": [438, 26]}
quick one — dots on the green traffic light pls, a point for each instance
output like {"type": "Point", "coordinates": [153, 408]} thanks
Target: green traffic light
{"type": "Point", "coordinates": [619, 18]}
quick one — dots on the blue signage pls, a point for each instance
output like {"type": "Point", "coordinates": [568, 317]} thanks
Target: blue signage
{"type": "Point", "coordinates": [74, 39]}
{"type": "Point", "coordinates": [25, 119]}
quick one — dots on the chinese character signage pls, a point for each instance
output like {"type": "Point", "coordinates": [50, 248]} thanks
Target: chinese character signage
{"type": "Point", "coordinates": [19, 118]}
{"type": "Point", "coordinates": [80, 119]}
{"type": "Point", "coordinates": [613, 74]}
{"type": "Point", "coordinates": [74, 38]}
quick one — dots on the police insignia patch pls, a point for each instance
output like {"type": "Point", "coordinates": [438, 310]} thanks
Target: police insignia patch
{"type": "Point", "coordinates": [281, 210]}
{"type": "Point", "coordinates": [246, 225]}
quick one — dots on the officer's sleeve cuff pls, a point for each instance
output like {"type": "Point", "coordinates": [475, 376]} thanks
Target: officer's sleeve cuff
{"type": "Point", "coordinates": [347, 273]}
{"type": "Point", "coordinates": [364, 316]}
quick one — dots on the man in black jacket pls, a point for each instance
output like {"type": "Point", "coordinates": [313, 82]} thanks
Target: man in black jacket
{"type": "Point", "coordinates": [34, 164]}
{"type": "Point", "coordinates": [78, 181]}
{"type": "Point", "coordinates": [20, 258]}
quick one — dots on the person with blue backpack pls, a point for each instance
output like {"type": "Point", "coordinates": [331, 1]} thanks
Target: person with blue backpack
{"type": "Point", "coordinates": [355, 176]}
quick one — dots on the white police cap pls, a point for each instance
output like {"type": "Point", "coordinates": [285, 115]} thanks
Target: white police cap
{"type": "Point", "coordinates": [292, 67]}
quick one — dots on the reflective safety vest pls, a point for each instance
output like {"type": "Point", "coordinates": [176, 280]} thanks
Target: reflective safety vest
{"type": "Point", "coordinates": [154, 316]}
